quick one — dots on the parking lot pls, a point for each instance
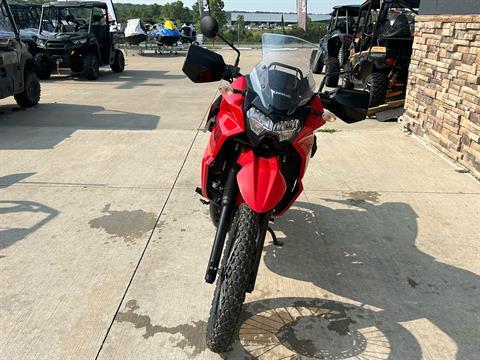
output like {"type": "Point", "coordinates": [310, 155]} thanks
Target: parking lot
{"type": "Point", "coordinates": [104, 244]}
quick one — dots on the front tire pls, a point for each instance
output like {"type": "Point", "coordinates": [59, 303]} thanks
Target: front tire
{"type": "Point", "coordinates": [119, 62]}
{"type": "Point", "coordinates": [30, 96]}
{"type": "Point", "coordinates": [91, 67]}
{"type": "Point", "coordinates": [234, 279]}
{"type": "Point", "coordinates": [42, 67]}
{"type": "Point", "coordinates": [332, 66]}
{"type": "Point", "coordinates": [316, 64]}
{"type": "Point", "coordinates": [376, 84]}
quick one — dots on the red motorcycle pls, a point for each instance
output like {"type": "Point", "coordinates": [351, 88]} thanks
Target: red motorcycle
{"type": "Point", "coordinates": [262, 137]}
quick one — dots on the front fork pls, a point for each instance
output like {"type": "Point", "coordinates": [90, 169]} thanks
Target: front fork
{"type": "Point", "coordinates": [226, 216]}
{"type": "Point", "coordinates": [228, 207]}
{"type": "Point", "coordinates": [261, 234]}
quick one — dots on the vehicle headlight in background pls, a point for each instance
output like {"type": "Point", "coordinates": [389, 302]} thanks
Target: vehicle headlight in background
{"type": "Point", "coordinates": [41, 43]}
{"type": "Point", "coordinates": [261, 124]}
{"type": "Point", "coordinates": [79, 41]}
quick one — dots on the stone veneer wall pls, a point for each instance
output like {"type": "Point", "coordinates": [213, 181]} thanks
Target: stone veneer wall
{"type": "Point", "coordinates": [443, 96]}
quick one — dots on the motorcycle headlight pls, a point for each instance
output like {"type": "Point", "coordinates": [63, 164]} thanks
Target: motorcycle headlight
{"type": "Point", "coordinates": [79, 41]}
{"type": "Point", "coordinates": [261, 124]}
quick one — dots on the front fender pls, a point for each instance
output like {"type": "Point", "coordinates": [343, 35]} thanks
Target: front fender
{"type": "Point", "coordinates": [260, 181]}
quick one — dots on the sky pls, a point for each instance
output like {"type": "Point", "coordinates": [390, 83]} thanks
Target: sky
{"type": "Point", "coordinates": [314, 6]}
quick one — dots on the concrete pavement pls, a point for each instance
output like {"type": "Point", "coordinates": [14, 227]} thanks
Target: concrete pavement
{"type": "Point", "coordinates": [103, 243]}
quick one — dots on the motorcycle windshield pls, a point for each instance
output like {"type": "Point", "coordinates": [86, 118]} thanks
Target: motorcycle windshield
{"type": "Point", "coordinates": [283, 80]}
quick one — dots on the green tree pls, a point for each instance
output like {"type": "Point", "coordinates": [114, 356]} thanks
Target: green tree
{"type": "Point", "coordinates": [240, 23]}
{"type": "Point", "coordinates": [196, 15]}
{"type": "Point", "coordinates": [240, 28]}
{"type": "Point", "coordinates": [176, 11]}
{"type": "Point", "coordinates": [216, 10]}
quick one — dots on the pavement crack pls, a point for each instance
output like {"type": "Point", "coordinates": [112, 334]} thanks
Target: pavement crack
{"type": "Point", "coordinates": [137, 266]}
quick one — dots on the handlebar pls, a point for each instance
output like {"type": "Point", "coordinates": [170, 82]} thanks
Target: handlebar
{"type": "Point", "coordinates": [231, 72]}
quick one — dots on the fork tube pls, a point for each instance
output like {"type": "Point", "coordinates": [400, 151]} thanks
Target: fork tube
{"type": "Point", "coordinates": [262, 232]}
{"type": "Point", "coordinates": [228, 206]}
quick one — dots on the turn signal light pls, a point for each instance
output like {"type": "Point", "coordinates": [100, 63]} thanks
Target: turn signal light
{"type": "Point", "coordinates": [226, 90]}
{"type": "Point", "coordinates": [328, 116]}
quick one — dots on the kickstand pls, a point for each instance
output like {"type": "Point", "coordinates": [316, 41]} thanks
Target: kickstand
{"type": "Point", "coordinates": [274, 237]}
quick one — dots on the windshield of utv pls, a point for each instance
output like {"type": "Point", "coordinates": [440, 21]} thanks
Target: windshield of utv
{"type": "Point", "coordinates": [6, 27]}
{"type": "Point", "coordinates": [23, 17]}
{"type": "Point", "coordinates": [66, 20]}
{"type": "Point", "coordinates": [283, 80]}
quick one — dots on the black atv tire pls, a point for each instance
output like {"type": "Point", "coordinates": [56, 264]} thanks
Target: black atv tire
{"type": "Point", "coordinates": [332, 66]}
{"type": "Point", "coordinates": [377, 83]}
{"type": "Point", "coordinates": [30, 96]}
{"type": "Point", "coordinates": [42, 67]}
{"type": "Point", "coordinates": [118, 64]}
{"type": "Point", "coordinates": [91, 67]}
{"type": "Point", "coordinates": [234, 279]}
{"type": "Point", "coordinates": [316, 65]}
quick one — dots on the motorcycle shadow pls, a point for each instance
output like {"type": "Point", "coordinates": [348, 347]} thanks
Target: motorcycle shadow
{"type": "Point", "coordinates": [366, 252]}
{"type": "Point", "coordinates": [312, 328]}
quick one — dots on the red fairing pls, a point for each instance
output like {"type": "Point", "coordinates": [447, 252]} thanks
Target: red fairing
{"type": "Point", "coordinates": [303, 143]}
{"type": "Point", "coordinates": [260, 181]}
{"type": "Point", "coordinates": [229, 123]}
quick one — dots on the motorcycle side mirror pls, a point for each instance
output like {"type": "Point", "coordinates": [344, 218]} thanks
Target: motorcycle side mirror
{"type": "Point", "coordinates": [209, 27]}
{"type": "Point", "coordinates": [363, 69]}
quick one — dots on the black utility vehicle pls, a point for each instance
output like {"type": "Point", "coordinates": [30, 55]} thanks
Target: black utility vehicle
{"type": "Point", "coordinates": [16, 66]}
{"type": "Point", "coordinates": [384, 38]}
{"type": "Point", "coordinates": [333, 47]}
{"type": "Point", "coordinates": [76, 35]}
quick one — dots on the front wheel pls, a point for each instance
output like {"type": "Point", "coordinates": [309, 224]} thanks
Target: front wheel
{"type": "Point", "coordinates": [30, 96]}
{"type": "Point", "coordinates": [316, 64]}
{"type": "Point", "coordinates": [332, 67]}
{"type": "Point", "coordinates": [234, 279]}
{"type": "Point", "coordinates": [42, 67]}
{"type": "Point", "coordinates": [91, 67]}
{"type": "Point", "coordinates": [118, 64]}
{"type": "Point", "coordinates": [376, 84]}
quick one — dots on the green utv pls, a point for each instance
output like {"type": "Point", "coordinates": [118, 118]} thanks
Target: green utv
{"type": "Point", "coordinates": [76, 35]}
{"type": "Point", "coordinates": [17, 77]}
{"type": "Point", "coordinates": [333, 48]}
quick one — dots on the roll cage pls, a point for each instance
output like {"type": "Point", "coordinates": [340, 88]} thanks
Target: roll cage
{"type": "Point", "coordinates": [373, 15]}
{"type": "Point", "coordinates": [346, 12]}
{"type": "Point", "coordinates": [7, 19]}
{"type": "Point", "coordinates": [64, 13]}
{"type": "Point", "coordinates": [25, 16]}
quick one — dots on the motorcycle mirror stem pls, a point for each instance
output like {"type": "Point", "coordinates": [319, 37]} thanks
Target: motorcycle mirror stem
{"type": "Point", "coordinates": [209, 27]}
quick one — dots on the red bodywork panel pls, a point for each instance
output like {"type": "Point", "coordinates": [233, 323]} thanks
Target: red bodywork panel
{"type": "Point", "coordinates": [229, 123]}
{"type": "Point", "coordinates": [303, 143]}
{"type": "Point", "coordinates": [260, 180]}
